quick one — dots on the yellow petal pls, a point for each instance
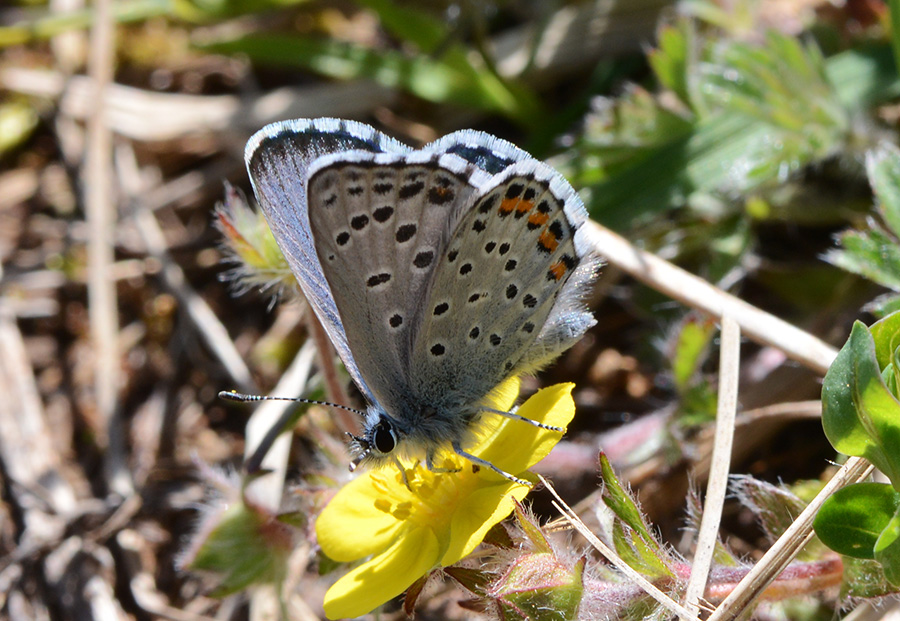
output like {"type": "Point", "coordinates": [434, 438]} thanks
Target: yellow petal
{"type": "Point", "coordinates": [519, 445]}
{"type": "Point", "coordinates": [384, 577]}
{"type": "Point", "coordinates": [476, 515]}
{"type": "Point", "coordinates": [504, 396]}
{"type": "Point", "coordinates": [358, 520]}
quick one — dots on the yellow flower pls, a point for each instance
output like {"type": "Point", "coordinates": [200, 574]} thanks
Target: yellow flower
{"type": "Point", "coordinates": [442, 517]}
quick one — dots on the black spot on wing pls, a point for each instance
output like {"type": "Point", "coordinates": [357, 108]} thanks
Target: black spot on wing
{"type": "Point", "coordinates": [440, 195]}
{"type": "Point", "coordinates": [487, 204]}
{"type": "Point", "coordinates": [378, 279]}
{"type": "Point", "coordinates": [405, 233]}
{"type": "Point", "coordinates": [411, 189]}
{"type": "Point", "coordinates": [423, 259]}
{"type": "Point", "coordinates": [514, 190]}
{"type": "Point", "coordinates": [383, 214]}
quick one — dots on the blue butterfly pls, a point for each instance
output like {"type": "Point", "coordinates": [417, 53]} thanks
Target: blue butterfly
{"type": "Point", "coordinates": [438, 273]}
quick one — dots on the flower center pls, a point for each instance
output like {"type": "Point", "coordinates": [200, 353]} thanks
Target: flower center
{"type": "Point", "coordinates": [431, 496]}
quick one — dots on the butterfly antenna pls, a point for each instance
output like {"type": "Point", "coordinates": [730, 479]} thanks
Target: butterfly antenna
{"type": "Point", "coordinates": [254, 462]}
{"type": "Point", "coordinates": [231, 395]}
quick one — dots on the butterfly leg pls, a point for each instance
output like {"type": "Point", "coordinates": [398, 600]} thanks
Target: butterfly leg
{"type": "Point", "coordinates": [429, 464]}
{"type": "Point", "coordinates": [483, 462]}
{"type": "Point", "coordinates": [402, 472]}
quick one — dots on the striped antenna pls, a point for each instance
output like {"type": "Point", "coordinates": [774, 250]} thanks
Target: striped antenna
{"type": "Point", "coordinates": [231, 395]}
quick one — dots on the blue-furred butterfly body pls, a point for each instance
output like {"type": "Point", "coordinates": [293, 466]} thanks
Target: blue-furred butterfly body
{"type": "Point", "coordinates": [438, 273]}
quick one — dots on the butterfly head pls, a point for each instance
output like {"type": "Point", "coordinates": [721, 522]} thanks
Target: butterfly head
{"type": "Point", "coordinates": [379, 441]}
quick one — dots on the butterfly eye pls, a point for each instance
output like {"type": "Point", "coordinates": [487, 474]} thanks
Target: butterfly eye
{"type": "Point", "coordinates": [384, 438]}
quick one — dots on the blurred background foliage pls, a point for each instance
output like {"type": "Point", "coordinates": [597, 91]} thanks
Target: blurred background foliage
{"type": "Point", "coordinates": [727, 136]}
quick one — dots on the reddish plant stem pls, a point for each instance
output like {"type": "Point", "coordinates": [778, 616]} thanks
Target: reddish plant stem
{"type": "Point", "coordinates": [796, 580]}
{"type": "Point", "coordinates": [336, 394]}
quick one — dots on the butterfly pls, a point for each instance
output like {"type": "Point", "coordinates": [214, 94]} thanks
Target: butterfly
{"type": "Point", "coordinates": [438, 272]}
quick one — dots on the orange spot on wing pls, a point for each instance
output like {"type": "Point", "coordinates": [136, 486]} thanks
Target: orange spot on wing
{"type": "Point", "coordinates": [558, 270]}
{"type": "Point", "coordinates": [507, 205]}
{"type": "Point", "coordinates": [525, 206]}
{"type": "Point", "coordinates": [548, 241]}
{"type": "Point", "coordinates": [538, 218]}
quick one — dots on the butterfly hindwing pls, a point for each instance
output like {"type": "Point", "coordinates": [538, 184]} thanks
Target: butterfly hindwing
{"type": "Point", "coordinates": [501, 277]}
{"type": "Point", "coordinates": [489, 153]}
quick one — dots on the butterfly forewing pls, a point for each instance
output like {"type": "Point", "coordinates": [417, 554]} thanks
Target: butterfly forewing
{"type": "Point", "coordinates": [380, 224]}
{"type": "Point", "coordinates": [498, 281]}
{"type": "Point", "coordinates": [278, 158]}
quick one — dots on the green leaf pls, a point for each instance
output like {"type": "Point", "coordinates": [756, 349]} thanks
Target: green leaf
{"type": "Point", "coordinates": [884, 305]}
{"type": "Point", "coordinates": [670, 60]}
{"type": "Point", "coordinates": [637, 547]}
{"type": "Point", "coordinates": [883, 169]}
{"type": "Point", "coordinates": [649, 562]}
{"type": "Point", "coordinates": [690, 349]}
{"type": "Point", "coordinates": [782, 83]}
{"type": "Point", "coordinates": [616, 498]}
{"type": "Point", "coordinates": [894, 10]}
{"type": "Point", "coordinates": [851, 521]}
{"type": "Point", "coordinates": [871, 254]}
{"type": "Point", "coordinates": [432, 79]}
{"type": "Point", "coordinates": [886, 336]}
{"type": "Point", "coordinates": [887, 549]}
{"type": "Point", "coordinates": [532, 530]}
{"type": "Point", "coordinates": [859, 414]}
{"type": "Point", "coordinates": [728, 151]}
{"type": "Point", "coordinates": [894, 386]}
{"type": "Point", "coordinates": [864, 578]}
{"type": "Point", "coordinates": [409, 24]}
{"type": "Point", "coordinates": [246, 546]}
{"type": "Point", "coordinates": [540, 587]}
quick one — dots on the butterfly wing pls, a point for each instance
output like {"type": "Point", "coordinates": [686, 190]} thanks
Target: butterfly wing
{"type": "Point", "coordinates": [489, 153]}
{"type": "Point", "coordinates": [380, 222]}
{"type": "Point", "coordinates": [278, 158]}
{"type": "Point", "coordinates": [505, 295]}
